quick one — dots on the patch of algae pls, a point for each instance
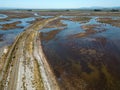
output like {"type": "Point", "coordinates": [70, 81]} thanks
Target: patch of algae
{"type": "Point", "coordinates": [93, 76]}
{"type": "Point", "coordinates": [112, 84]}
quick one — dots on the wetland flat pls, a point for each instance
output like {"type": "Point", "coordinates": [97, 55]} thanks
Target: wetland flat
{"type": "Point", "coordinates": [82, 48]}
{"type": "Point", "coordinates": [85, 54]}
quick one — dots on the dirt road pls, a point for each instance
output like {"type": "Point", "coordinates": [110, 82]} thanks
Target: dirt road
{"type": "Point", "coordinates": [25, 66]}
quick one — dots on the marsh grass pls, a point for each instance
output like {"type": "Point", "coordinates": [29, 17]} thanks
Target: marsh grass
{"type": "Point", "coordinates": [55, 24]}
{"type": "Point", "coordinates": [114, 22]}
{"type": "Point", "coordinates": [49, 35]}
{"type": "Point", "coordinates": [11, 25]}
{"type": "Point", "coordinates": [81, 19]}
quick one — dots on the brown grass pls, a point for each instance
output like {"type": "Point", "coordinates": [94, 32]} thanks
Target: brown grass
{"type": "Point", "coordinates": [79, 13]}
{"type": "Point", "coordinates": [49, 35]}
{"type": "Point", "coordinates": [110, 21]}
{"type": "Point", "coordinates": [16, 14]}
{"type": "Point", "coordinates": [89, 29]}
{"type": "Point", "coordinates": [55, 23]}
{"type": "Point", "coordinates": [11, 25]}
{"type": "Point", "coordinates": [38, 79]}
{"type": "Point", "coordinates": [81, 19]}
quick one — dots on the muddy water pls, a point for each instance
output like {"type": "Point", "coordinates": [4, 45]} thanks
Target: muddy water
{"type": "Point", "coordinates": [91, 62]}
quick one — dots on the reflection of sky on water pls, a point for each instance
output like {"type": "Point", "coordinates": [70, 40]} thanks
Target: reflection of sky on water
{"type": "Point", "coordinates": [73, 59]}
{"type": "Point", "coordinates": [2, 16]}
{"type": "Point", "coordinates": [10, 35]}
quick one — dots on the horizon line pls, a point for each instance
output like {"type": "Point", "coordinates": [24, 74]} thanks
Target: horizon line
{"type": "Point", "coordinates": [92, 7]}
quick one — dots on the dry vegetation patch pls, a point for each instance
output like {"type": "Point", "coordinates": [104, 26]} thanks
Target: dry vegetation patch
{"type": "Point", "coordinates": [55, 24]}
{"type": "Point", "coordinates": [81, 19]}
{"type": "Point", "coordinates": [49, 35]}
{"type": "Point", "coordinates": [89, 29]}
{"type": "Point", "coordinates": [114, 22]}
{"type": "Point", "coordinates": [38, 79]}
{"type": "Point", "coordinates": [16, 14]}
{"type": "Point", "coordinates": [11, 25]}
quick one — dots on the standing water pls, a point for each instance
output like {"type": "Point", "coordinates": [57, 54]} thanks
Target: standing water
{"type": "Point", "coordinates": [90, 62]}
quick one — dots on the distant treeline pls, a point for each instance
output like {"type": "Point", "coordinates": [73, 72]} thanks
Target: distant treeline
{"type": "Point", "coordinates": [112, 10]}
{"type": "Point", "coordinates": [67, 10]}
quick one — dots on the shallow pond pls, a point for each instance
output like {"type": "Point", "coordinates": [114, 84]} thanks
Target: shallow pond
{"type": "Point", "coordinates": [91, 62]}
{"type": "Point", "coordinates": [8, 36]}
{"type": "Point", "coordinates": [2, 16]}
{"type": "Point", "coordinates": [24, 21]}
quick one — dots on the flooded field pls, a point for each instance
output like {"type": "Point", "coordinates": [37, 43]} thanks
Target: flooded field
{"type": "Point", "coordinates": [13, 23]}
{"type": "Point", "coordinates": [2, 16]}
{"type": "Point", "coordinates": [84, 53]}
{"type": "Point", "coordinates": [82, 48]}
